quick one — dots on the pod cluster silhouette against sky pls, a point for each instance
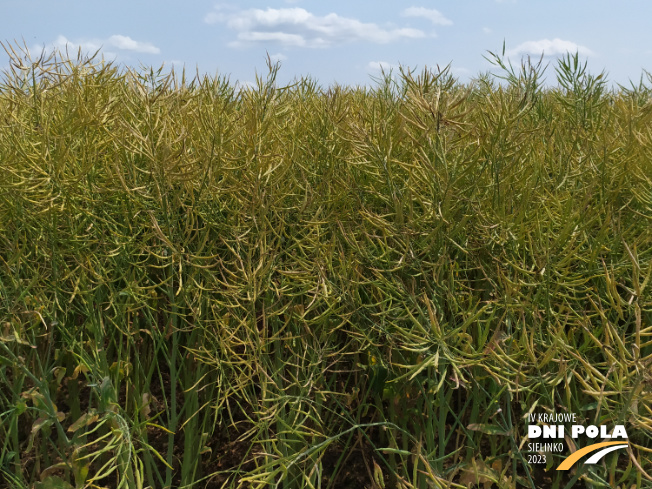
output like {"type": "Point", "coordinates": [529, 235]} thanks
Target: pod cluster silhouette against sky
{"type": "Point", "coordinates": [338, 41]}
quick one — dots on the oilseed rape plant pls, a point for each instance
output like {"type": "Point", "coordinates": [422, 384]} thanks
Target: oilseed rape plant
{"type": "Point", "coordinates": [213, 286]}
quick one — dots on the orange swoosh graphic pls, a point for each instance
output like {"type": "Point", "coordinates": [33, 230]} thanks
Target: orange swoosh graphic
{"type": "Point", "coordinates": [571, 459]}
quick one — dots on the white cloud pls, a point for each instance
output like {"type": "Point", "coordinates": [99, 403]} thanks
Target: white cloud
{"type": "Point", "coordinates": [487, 30]}
{"type": "Point", "coordinates": [128, 44]}
{"type": "Point", "coordinates": [380, 66]}
{"type": "Point", "coordinates": [298, 27]}
{"type": "Point", "coordinates": [90, 46]}
{"type": "Point", "coordinates": [280, 37]}
{"type": "Point", "coordinates": [460, 71]}
{"type": "Point", "coordinates": [434, 16]}
{"type": "Point", "coordinates": [213, 17]}
{"type": "Point", "coordinates": [549, 47]}
{"type": "Point", "coordinates": [62, 44]}
{"type": "Point", "coordinates": [278, 57]}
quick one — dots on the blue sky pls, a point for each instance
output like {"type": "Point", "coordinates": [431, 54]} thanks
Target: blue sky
{"type": "Point", "coordinates": [337, 41]}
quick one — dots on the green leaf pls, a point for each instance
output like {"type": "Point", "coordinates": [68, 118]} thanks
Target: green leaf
{"type": "Point", "coordinates": [53, 482]}
{"type": "Point", "coordinates": [488, 429]}
{"type": "Point", "coordinates": [84, 420]}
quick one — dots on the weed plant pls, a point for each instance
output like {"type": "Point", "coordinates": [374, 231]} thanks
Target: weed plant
{"type": "Point", "coordinates": [203, 285]}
